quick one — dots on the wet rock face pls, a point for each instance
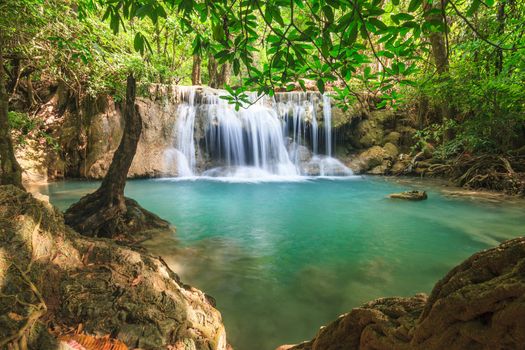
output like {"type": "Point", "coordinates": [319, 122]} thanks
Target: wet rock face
{"type": "Point", "coordinates": [480, 304]}
{"type": "Point", "coordinates": [105, 132]}
{"type": "Point", "coordinates": [71, 280]}
{"type": "Point", "coordinates": [375, 160]}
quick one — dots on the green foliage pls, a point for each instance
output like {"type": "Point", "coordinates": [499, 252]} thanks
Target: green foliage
{"type": "Point", "coordinates": [483, 91]}
{"type": "Point", "coordinates": [25, 128]}
{"type": "Point", "coordinates": [359, 50]}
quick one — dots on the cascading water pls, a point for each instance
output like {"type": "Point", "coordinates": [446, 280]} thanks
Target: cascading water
{"type": "Point", "coordinates": [272, 137]}
{"type": "Point", "coordinates": [327, 114]}
{"type": "Point", "coordinates": [183, 153]}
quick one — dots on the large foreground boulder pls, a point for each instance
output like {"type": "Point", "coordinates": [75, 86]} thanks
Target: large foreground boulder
{"type": "Point", "coordinates": [53, 281]}
{"type": "Point", "coordinates": [480, 304]}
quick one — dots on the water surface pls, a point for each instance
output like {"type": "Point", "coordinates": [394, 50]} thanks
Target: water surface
{"type": "Point", "coordinates": [283, 258]}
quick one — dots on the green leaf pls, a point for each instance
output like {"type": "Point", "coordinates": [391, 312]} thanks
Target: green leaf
{"type": "Point", "coordinates": [320, 85]}
{"type": "Point", "coordinates": [114, 22]}
{"type": "Point", "coordinates": [414, 5]}
{"type": "Point", "coordinates": [236, 67]}
{"type": "Point", "coordinates": [473, 8]}
{"type": "Point", "coordinates": [138, 43]}
{"type": "Point", "coordinates": [377, 23]}
{"type": "Point", "coordinates": [401, 17]}
{"type": "Point", "coordinates": [329, 13]}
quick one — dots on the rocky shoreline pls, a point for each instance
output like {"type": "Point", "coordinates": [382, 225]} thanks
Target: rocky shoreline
{"type": "Point", "coordinates": [480, 304]}
{"type": "Point", "coordinates": [56, 284]}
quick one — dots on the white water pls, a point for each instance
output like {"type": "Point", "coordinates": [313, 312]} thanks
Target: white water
{"type": "Point", "coordinates": [270, 139]}
{"type": "Point", "coordinates": [327, 113]}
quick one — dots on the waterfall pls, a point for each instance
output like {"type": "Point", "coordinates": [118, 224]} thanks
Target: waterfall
{"type": "Point", "coordinates": [327, 114]}
{"type": "Point", "coordinates": [273, 136]}
{"type": "Point", "coordinates": [252, 136]}
{"type": "Point", "coordinates": [182, 154]}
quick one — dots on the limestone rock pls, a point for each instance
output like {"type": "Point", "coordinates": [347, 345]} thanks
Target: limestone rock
{"type": "Point", "coordinates": [380, 324]}
{"type": "Point", "coordinates": [105, 132]}
{"type": "Point", "coordinates": [407, 135]}
{"type": "Point", "coordinates": [380, 169]}
{"type": "Point", "coordinates": [371, 131]}
{"type": "Point", "coordinates": [392, 137]}
{"type": "Point", "coordinates": [299, 153]}
{"type": "Point", "coordinates": [369, 159]}
{"type": "Point", "coordinates": [401, 165]}
{"type": "Point", "coordinates": [373, 156]}
{"type": "Point", "coordinates": [410, 195]}
{"type": "Point", "coordinates": [108, 288]}
{"type": "Point", "coordinates": [391, 150]}
{"type": "Point", "coordinates": [480, 304]}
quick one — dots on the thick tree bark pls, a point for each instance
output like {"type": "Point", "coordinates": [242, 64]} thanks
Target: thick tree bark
{"type": "Point", "coordinates": [224, 75]}
{"type": "Point", "coordinates": [196, 70]}
{"type": "Point", "coordinates": [30, 91]}
{"type": "Point", "coordinates": [438, 39]}
{"type": "Point", "coordinates": [10, 170]}
{"type": "Point", "coordinates": [501, 30]}
{"type": "Point", "coordinates": [212, 71]}
{"type": "Point", "coordinates": [106, 212]}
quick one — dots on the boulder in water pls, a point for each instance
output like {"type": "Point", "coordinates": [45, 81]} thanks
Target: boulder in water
{"type": "Point", "coordinates": [480, 304]}
{"type": "Point", "coordinates": [410, 195]}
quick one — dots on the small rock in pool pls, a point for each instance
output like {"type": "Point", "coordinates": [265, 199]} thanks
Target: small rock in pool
{"type": "Point", "coordinates": [410, 195]}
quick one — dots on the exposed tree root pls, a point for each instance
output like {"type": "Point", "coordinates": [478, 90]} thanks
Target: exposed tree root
{"type": "Point", "coordinates": [18, 340]}
{"type": "Point", "coordinates": [96, 215]}
{"type": "Point", "coordinates": [492, 172]}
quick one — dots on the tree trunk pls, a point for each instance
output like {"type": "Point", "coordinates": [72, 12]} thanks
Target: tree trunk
{"type": "Point", "coordinates": [10, 170]}
{"type": "Point", "coordinates": [438, 39]}
{"type": "Point", "coordinates": [212, 71]}
{"type": "Point", "coordinates": [106, 212]}
{"type": "Point", "coordinates": [196, 70]}
{"type": "Point", "coordinates": [30, 92]}
{"type": "Point", "coordinates": [501, 30]}
{"type": "Point", "coordinates": [224, 76]}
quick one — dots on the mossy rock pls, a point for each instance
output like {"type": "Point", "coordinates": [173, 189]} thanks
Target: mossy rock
{"type": "Point", "coordinates": [110, 289]}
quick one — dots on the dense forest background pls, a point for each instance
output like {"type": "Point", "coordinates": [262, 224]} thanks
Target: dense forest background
{"type": "Point", "coordinates": [455, 67]}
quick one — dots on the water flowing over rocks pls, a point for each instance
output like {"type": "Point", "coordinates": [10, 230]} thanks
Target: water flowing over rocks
{"type": "Point", "coordinates": [53, 280]}
{"type": "Point", "coordinates": [188, 130]}
{"type": "Point", "coordinates": [480, 304]}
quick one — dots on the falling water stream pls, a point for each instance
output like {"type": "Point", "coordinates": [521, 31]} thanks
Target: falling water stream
{"type": "Point", "coordinates": [271, 137]}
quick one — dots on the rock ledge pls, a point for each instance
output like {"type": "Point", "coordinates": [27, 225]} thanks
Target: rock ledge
{"type": "Point", "coordinates": [480, 304]}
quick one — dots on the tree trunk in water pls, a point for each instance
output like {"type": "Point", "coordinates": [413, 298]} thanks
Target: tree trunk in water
{"type": "Point", "coordinates": [10, 170]}
{"type": "Point", "coordinates": [196, 70]}
{"type": "Point", "coordinates": [501, 30]}
{"type": "Point", "coordinates": [212, 71]}
{"type": "Point", "coordinates": [106, 212]}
